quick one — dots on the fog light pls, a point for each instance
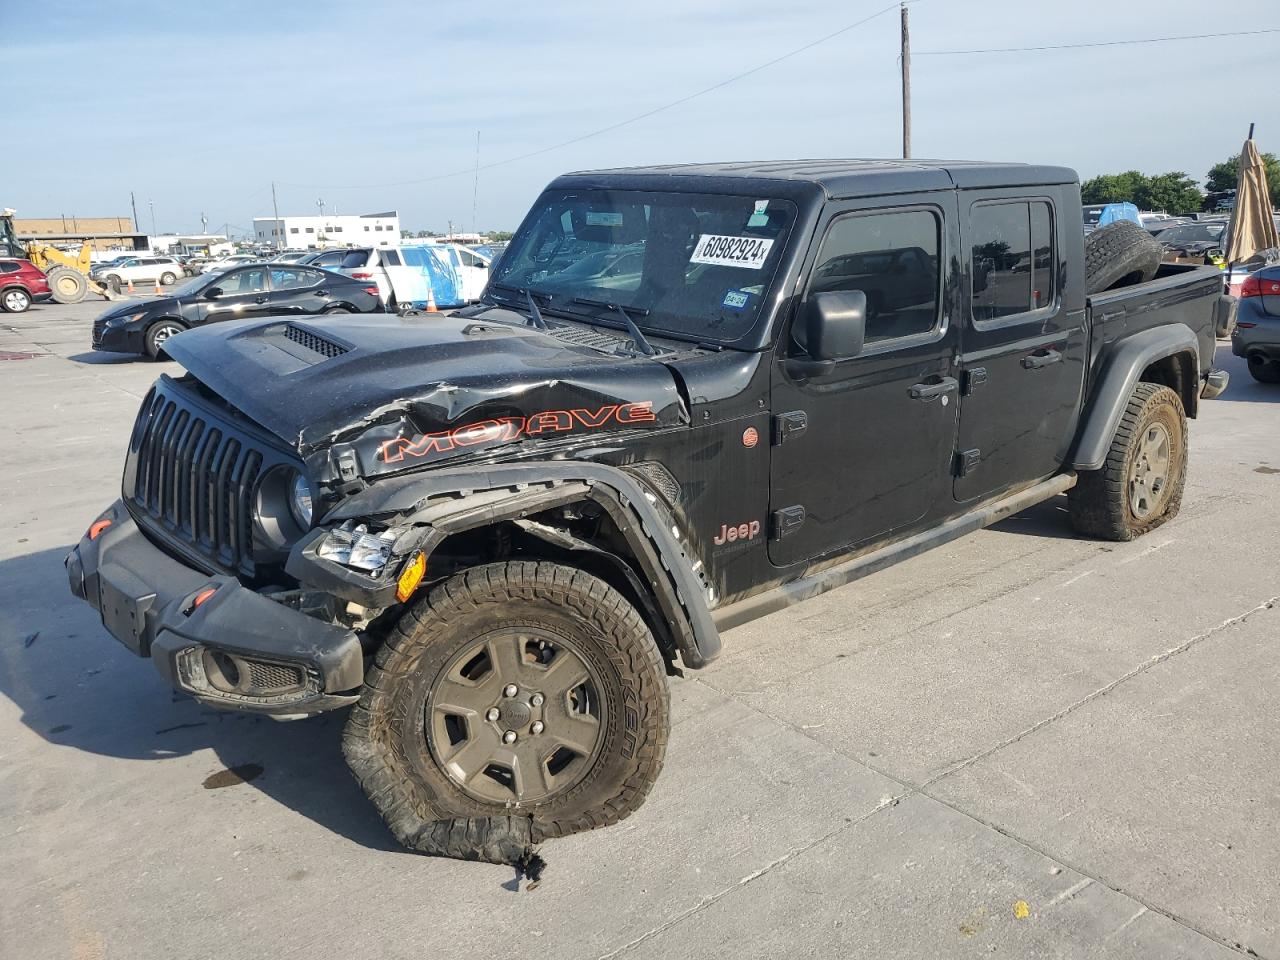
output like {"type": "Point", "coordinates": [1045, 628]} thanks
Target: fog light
{"type": "Point", "coordinates": [411, 576]}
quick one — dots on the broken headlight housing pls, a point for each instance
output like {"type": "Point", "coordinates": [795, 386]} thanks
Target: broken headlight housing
{"type": "Point", "coordinates": [354, 545]}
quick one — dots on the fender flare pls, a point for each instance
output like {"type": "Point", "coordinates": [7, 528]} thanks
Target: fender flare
{"type": "Point", "coordinates": [1119, 376]}
{"type": "Point", "coordinates": [449, 500]}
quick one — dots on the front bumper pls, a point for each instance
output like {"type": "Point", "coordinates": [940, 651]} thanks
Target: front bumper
{"type": "Point", "coordinates": [238, 649]}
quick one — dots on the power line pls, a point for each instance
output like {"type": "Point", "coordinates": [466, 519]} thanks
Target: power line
{"type": "Point", "coordinates": [621, 123]}
{"type": "Point", "coordinates": [1099, 43]}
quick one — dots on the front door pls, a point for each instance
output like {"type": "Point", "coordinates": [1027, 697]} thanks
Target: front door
{"type": "Point", "coordinates": [1024, 346]}
{"type": "Point", "coordinates": [244, 293]}
{"type": "Point", "coordinates": [863, 452]}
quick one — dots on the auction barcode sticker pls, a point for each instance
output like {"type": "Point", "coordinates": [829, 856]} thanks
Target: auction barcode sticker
{"type": "Point", "coordinates": [749, 252]}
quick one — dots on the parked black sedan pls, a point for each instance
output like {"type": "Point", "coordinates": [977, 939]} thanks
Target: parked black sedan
{"type": "Point", "coordinates": [256, 290]}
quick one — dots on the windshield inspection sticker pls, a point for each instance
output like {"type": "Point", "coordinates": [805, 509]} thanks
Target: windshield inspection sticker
{"type": "Point", "coordinates": [748, 252]}
{"type": "Point", "coordinates": [760, 218]}
{"type": "Point", "coordinates": [736, 299]}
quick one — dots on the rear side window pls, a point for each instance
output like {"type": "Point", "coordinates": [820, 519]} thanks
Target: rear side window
{"type": "Point", "coordinates": [9, 266]}
{"type": "Point", "coordinates": [390, 258]}
{"type": "Point", "coordinates": [893, 259]}
{"type": "Point", "coordinates": [356, 258]}
{"type": "Point", "coordinates": [1012, 266]}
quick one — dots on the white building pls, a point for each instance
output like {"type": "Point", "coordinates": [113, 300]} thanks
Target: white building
{"type": "Point", "coordinates": [306, 233]}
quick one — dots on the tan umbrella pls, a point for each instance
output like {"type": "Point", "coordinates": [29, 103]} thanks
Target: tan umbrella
{"type": "Point", "coordinates": [1252, 229]}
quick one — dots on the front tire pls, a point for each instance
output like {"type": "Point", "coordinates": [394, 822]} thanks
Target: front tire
{"type": "Point", "coordinates": [160, 332]}
{"type": "Point", "coordinates": [67, 285]}
{"type": "Point", "coordinates": [517, 702]}
{"type": "Point", "coordinates": [16, 300]}
{"type": "Point", "coordinates": [1140, 485]}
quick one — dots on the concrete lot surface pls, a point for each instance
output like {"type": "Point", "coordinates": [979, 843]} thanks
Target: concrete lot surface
{"type": "Point", "coordinates": [1024, 744]}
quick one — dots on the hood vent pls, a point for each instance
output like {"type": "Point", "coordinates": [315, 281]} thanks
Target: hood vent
{"type": "Point", "coordinates": [314, 342]}
{"type": "Point", "coordinates": [585, 337]}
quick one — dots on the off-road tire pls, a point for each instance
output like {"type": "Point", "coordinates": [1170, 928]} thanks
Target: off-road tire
{"type": "Point", "coordinates": [1100, 502]}
{"type": "Point", "coordinates": [15, 300]}
{"type": "Point", "coordinates": [1119, 254]}
{"type": "Point", "coordinates": [156, 336]}
{"type": "Point", "coordinates": [1263, 370]}
{"type": "Point", "coordinates": [386, 740]}
{"type": "Point", "coordinates": [67, 285]}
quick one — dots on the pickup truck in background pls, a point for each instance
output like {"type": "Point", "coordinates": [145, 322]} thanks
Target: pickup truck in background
{"type": "Point", "coordinates": [688, 397]}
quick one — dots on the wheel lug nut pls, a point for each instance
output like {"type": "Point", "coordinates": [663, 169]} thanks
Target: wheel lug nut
{"type": "Point", "coordinates": [492, 714]}
{"type": "Point", "coordinates": [510, 690]}
{"type": "Point", "coordinates": [537, 700]}
{"type": "Point", "coordinates": [537, 726]}
{"type": "Point", "coordinates": [509, 737]}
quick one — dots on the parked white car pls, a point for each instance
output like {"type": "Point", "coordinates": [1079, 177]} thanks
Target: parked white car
{"type": "Point", "coordinates": [450, 273]}
{"type": "Point", "coordinates": [165, 270]}
{"type": "Point", "coordinates": [235, 260]}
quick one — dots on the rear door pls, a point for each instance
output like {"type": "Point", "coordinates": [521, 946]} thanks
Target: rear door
{"type": "Point", "coordinates": [473, 274]}
{"type": "Point", "coordinates": [297, 290]}
{"type": "Point", "coordinates": [1024, 345]}
{"type": "Point", "coordinates": [862, 453]}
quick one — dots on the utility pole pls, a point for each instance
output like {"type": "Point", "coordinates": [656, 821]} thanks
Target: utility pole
{"type": "Point", "coordinates": [450, 237]}
{"type": "Point", "coordinates": [906, 86]}
{"type": "Point", "coordinates": [275, 210]}
{"type": "Point", "coordinates": [134, 203]}
{"type": "Point", "coordinates": [152, 204]}
{"type": "Point", "coordinates": [475, 185]}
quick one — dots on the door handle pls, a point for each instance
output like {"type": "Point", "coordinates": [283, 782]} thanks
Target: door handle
{"type": "Point", "coordinates": [322, 293]}
{"type": "Point", "coordinates": [927, 391]}
{"type": "Point", "coordinates": [1042, 358]}
{"type": "Point", "coordinates": [259, 299]}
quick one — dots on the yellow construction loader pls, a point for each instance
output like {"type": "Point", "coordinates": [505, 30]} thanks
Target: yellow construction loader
{"type": "Point", "coordinates": [68, 274]}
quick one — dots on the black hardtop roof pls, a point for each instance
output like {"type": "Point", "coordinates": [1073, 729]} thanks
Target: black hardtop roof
{"type": "Point", "coordinates": [837, 178]}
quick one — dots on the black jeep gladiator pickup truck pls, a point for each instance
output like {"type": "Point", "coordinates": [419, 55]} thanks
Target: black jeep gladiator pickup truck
{"type": "Point", "coordinates": [690, 396]}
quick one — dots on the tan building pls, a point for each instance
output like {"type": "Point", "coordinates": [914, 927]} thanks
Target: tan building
{"type": "Point", "coordinates": [103, 233]}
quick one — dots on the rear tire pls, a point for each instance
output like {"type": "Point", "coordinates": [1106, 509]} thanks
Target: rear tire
{"type": "Point", "coordinates": [333, 310]}
{"type": "Point", "coordinates": [1263, 370]}
{"type": "Point", "coordinates": [168, 279]}
{"type": "Point", "coordinates": [67, 285]}
{"type": "Point", "coordinates": [158, 333]}
{"type": "Point", "coordinates": [1119, 254]}
{"type": "Point", "coordinates": [475, 661]}
{"type": "Point", "coordinates": [15, 300]}
{"type": "Point", "coordinates": [1140, 484]}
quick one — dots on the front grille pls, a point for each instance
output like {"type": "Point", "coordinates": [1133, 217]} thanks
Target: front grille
{"type": "Point", "coordinates": [99, 326]}
{"type": "Point", "coordinates": [314, 342]}
{"type": "Point", "coordinates": [192, 476]}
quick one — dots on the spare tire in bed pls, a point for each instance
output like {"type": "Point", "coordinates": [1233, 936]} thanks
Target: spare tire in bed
{"type": "Point", "coordinates": [1119, 254]}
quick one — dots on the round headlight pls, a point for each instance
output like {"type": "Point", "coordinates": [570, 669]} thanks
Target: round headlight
{"type": "Point", "coordinates": [300, 501]}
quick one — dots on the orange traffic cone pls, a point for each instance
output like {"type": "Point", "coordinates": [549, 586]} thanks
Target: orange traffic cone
{"type": "Point", "coordinates": [131, 285]}
{"type": "Point", "coordinates": [158, 290]}
{"type": "Point", "coordinates": [431, 302]}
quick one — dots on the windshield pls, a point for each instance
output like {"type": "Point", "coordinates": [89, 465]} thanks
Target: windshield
{"type": "Point", "coordinates": [1192, 233]}
{"type": "Point", "coordinates": [194, 285]}
{"type": "Point", "coordinates": [696, 266]}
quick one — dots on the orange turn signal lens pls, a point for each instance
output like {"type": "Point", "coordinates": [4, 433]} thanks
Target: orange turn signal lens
{"type": "Point", "coordinates": [411, 576]}
{"type": "Point", "coordinates": [202, 596]}
{"type": "Point", "coordinates": [97, 528]}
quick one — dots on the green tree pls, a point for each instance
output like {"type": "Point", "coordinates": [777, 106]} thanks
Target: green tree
{"type": "Point", "coordinates": [1113, 187]}
{"type": "Point", "coordinates": [1174, 193]}
{"type": "Point", "coordinates": [499, 236]}
{"type": "Point", "coordinates": [1224, 175]}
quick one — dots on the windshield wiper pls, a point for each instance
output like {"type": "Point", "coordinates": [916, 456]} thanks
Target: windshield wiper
{"type": "Point", "coordinates": [643, 345]}
{"type": "Point", "coordinates": [535, 314]}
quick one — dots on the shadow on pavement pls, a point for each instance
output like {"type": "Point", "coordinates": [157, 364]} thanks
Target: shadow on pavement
{"type": "Point", "coordinates": [1049, 519]}
{"type": "Point", "coordinates": [77, 687]}
{"type": "Point", "coordinates": [99, 357]}
{"type": "Point", "coordinates": [1242, 388]}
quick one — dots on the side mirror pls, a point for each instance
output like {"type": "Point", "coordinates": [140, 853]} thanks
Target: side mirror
{"type": "Point", "coordinates": [482, 265]}
{"type": "Point", "coordinates": [831, 327]}
{"type": "Point", "coordinates": [213, 293]}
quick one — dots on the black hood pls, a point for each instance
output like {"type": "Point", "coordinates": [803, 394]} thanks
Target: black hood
{"type": "Point", "coordinates": [403, 392]}
{"type": "Point", "coordinates": [129, 307]}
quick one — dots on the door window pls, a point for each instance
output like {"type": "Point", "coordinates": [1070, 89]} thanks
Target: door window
{"type": "Point", "coordinates": [893, 259]}
{"type": "Point", "coordinates": [243, 281]}
{"type": "Point", "coordinates": [469, 259]}
{"type": "Point", "coordinates": [293, 278]}
{"type": "Point", "coordinates": [1012, 269]}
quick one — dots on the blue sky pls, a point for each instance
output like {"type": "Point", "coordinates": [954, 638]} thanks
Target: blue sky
{"type": "Point", "coordinates": [199, 106]}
